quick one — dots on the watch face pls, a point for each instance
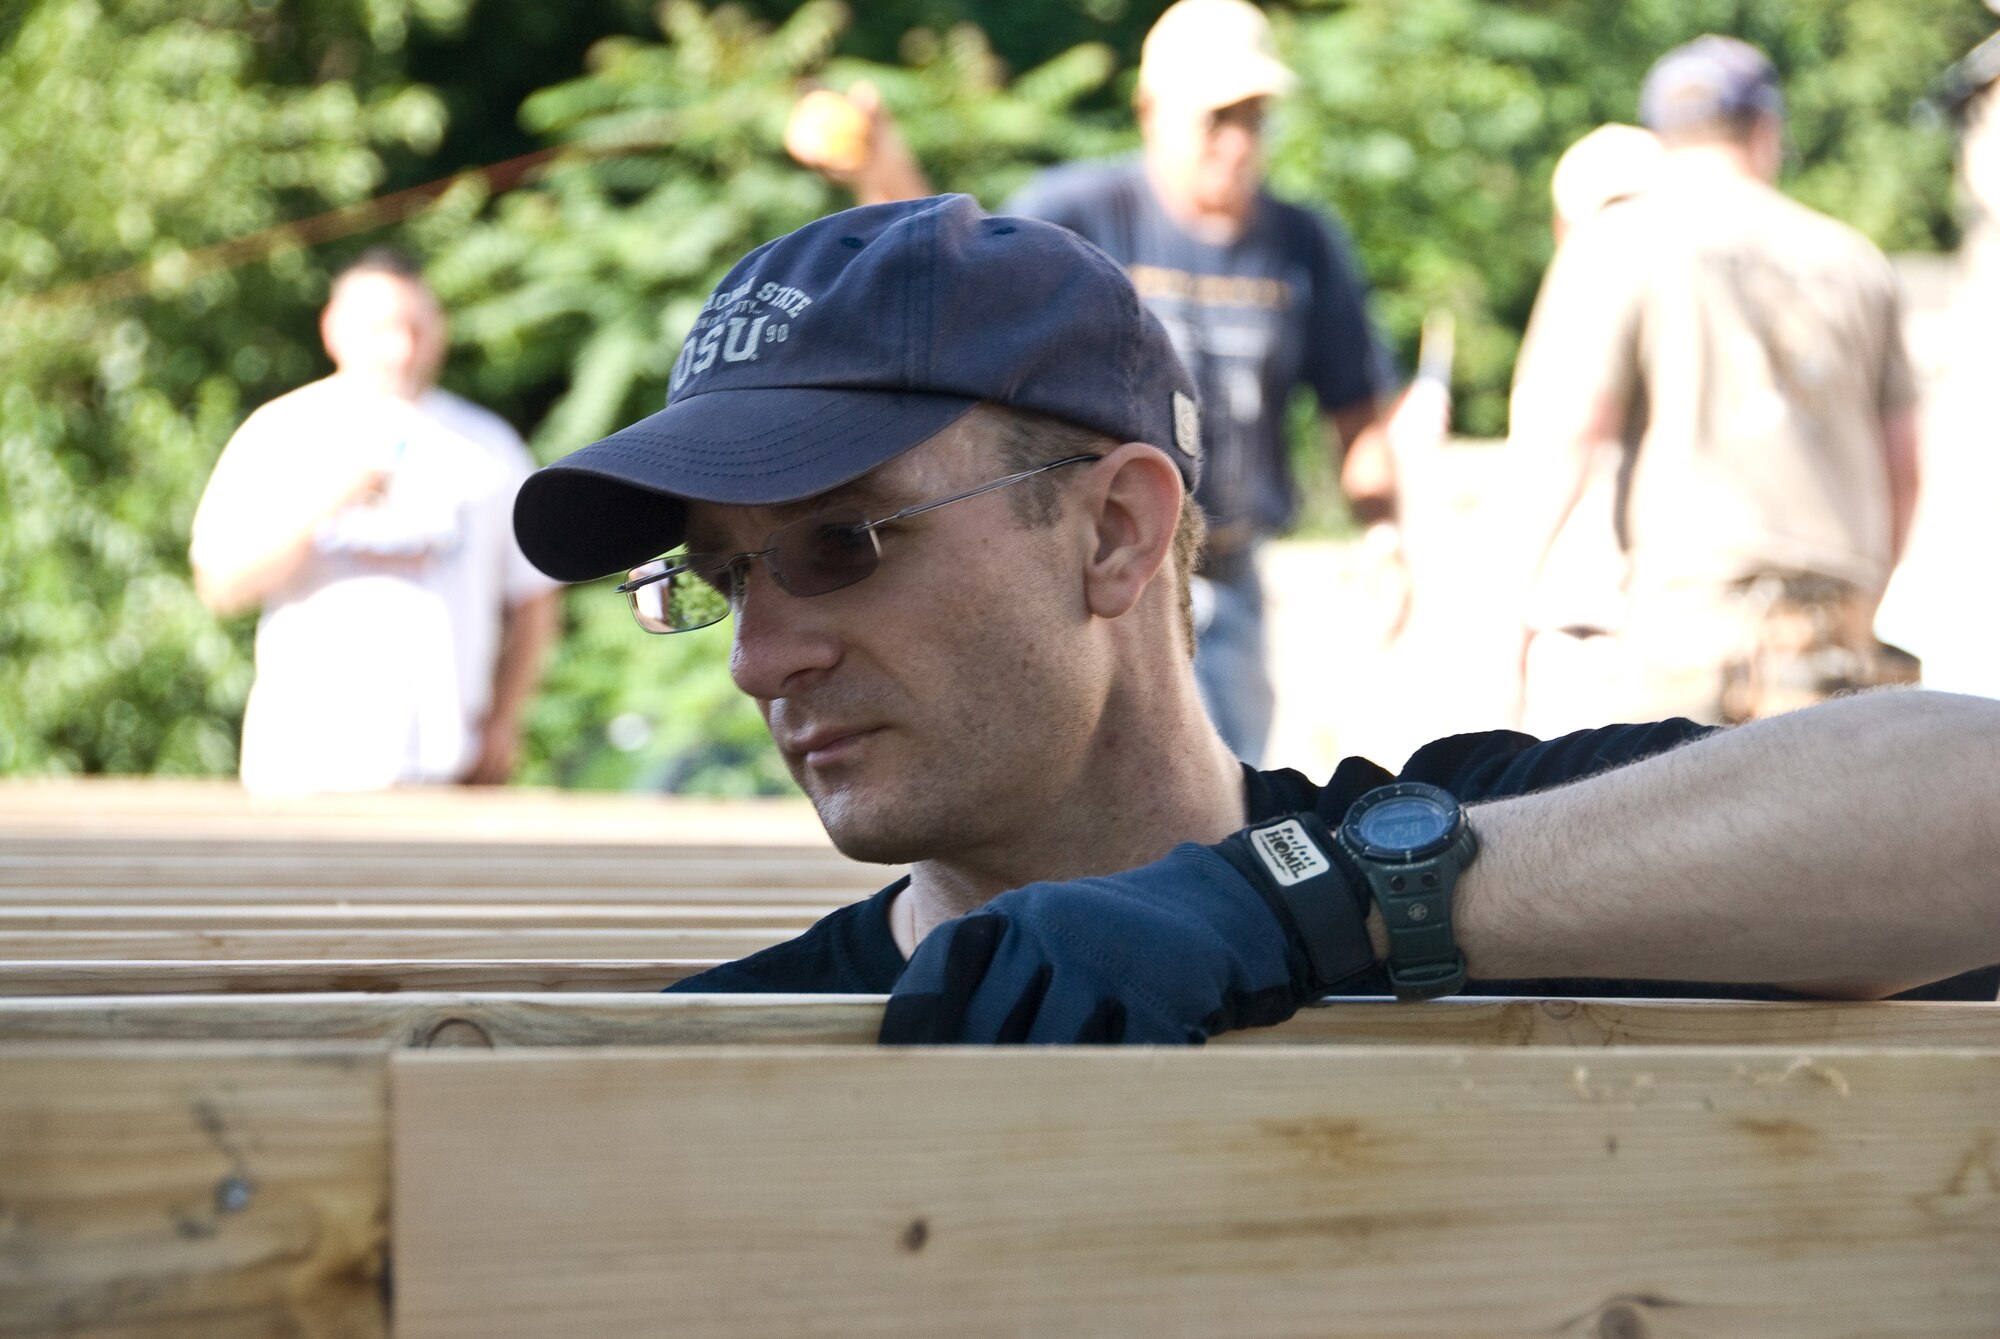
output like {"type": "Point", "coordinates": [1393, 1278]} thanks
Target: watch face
{"type": "Point", "coordinates": [1405, 823]}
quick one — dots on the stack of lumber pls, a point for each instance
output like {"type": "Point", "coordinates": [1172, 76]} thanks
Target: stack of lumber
{"type": "Point", "coordinates": [390, 1154]}
{"type": "Point", "coordinates": [149, 888]}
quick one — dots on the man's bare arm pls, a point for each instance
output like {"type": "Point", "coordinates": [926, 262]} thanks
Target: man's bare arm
{"type": "Point", "coordinates": [1899, 450]}
{"type": "Point", "coordinates": [262, 538]}
{"type": "Point", "coordinates": [1555, 469]}
{"type": "Point", "coordinates": [888, 171]}
{"type": "Point", "coordinates": [527, 630]}
{"type": "Point", "coordinates": [1849, 849]}
{"type": "Point", "coordinates": [1367, 464]}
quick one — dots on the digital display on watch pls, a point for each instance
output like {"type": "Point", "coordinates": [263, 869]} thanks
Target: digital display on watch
{"type": "Point", "coordinates": [1405, 823]}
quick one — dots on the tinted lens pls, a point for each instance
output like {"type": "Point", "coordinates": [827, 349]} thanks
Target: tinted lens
{"type": "Point", "coordinates": [684, 600]}
{"type": "Point", "coordinates": [821, 554]}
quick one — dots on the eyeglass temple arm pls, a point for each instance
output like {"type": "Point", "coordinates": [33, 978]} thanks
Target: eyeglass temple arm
{"type": "Point", "coordinates": [987, 487]}
{"type": "Point", "coordinates": [627, 587]}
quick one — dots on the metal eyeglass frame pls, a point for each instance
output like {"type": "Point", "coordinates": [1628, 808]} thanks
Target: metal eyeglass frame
{"type": "Point", "coordinates": [738, 564]}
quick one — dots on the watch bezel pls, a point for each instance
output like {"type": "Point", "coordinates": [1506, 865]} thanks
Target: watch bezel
{"type": "Point", "coordinates": [1442, 800]}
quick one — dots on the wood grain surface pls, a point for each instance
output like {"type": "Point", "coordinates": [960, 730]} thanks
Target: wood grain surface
{"type": "Point", "coordinates": [584, 1019]}
{"type": "Point", "coordinates": [543, 944]}
{"type": "Point", "coordinates": [193, 1192]}
{"type": "Point", "coordinates": [330, 914]}
{"type": "Point", "coordinates": [127, 808]}
{"type": "Point", "coordinates": [1251, 1192]}
{"type": "Point", "coordinates": [105, 977]}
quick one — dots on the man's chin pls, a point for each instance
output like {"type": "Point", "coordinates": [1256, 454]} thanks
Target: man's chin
{"type": "Point", "coordinates": [872, 829]}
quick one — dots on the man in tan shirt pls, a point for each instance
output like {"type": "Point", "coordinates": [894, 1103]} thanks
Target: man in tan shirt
{"type": "Point", "coordinates": [1747, 353]}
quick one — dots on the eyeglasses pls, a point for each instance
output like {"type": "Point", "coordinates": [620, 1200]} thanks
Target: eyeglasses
{"type": "Point", "coordinates": [814, 555]}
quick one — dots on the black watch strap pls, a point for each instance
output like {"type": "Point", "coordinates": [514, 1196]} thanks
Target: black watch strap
{"type": "Point", "coordinates": [1424, 959]}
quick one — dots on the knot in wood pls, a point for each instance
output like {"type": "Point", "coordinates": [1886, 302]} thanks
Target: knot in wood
{"type": "Point", "coordinates": [916, 1235]}
{"type": "Point", "coordinates": [458, 1032]}
{"type": "Point", "coordinates": [1621, 1320]}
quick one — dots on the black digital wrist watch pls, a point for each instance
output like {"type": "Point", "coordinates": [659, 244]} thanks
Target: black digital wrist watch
{"type": "Point", "coordinates": [1412, 842]}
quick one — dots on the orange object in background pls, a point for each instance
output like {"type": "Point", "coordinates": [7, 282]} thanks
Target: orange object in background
{"type": "Point", "coordinates": [829, 132]}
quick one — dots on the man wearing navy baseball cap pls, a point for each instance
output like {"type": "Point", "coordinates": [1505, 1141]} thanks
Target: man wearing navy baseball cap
{"type": "Point", "coordinates": [934, 467]}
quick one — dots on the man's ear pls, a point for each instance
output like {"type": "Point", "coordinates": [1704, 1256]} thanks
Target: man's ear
{"type": "Point", "coordinates": [328, 334]}
{"type": "Point", "coordinates": [1133, 508]}
{"type": "Point", "coordinates": [1142, 110]}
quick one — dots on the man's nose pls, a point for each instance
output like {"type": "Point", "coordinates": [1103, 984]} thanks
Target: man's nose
{"type": "Point", "coordinates": [778, 637]}
{"type": "Point", "coordinates": [1235, 144]}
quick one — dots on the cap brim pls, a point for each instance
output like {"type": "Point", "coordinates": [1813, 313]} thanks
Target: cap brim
{"type": "Point", "coordinates": [622, 501]}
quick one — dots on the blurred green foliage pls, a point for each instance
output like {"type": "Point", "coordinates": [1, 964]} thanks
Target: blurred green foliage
{"type": "Point", "coordinates": [130, 135]}
{"type": "Point", "coordinates": [134, 134]}
{"type": "Point", "coordinates": [589, 278]}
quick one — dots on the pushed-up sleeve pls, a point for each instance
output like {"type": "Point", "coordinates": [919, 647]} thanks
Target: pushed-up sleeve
{"type": "Point", "coordinates": [1345, 362]}
{"type": "Point", "coordinates": [1503, 763]}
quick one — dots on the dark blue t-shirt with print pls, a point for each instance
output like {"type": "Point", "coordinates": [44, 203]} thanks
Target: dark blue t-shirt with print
{"type": "Point", "coordinates": [1281, 306]}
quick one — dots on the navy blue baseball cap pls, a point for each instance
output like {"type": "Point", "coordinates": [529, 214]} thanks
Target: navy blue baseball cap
{"type": "Point", "coordinates": [1709, 79]}
{"type": "Point", "coordinates": [840, 346]}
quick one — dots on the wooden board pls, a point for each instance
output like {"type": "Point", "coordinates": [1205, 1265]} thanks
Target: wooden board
{"type": "Point", "coordinates": [123, 808]}
{"type": "Point", "coordinates": [583, 1019]}
{"type": "Point", "coordinates": [449, 1019]}
{"type": "Point", "coordinates": [344, 915]}
{"type": "Point", "coordinates": [391, 878]}
{"type": "Point", "coordinates": [557, 944]}
{"type": "Point", "coordinates": [1261, 1191]}
{"type": "Point", "coordinates": [181, 978]}
{"type": "Point", "coordinates": [202, 1192]}
{"type": "Point", "coordinates": [391, 892]}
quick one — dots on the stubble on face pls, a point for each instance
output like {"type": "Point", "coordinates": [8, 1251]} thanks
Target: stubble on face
{"type": "Point", "coordinates": [958, 661]}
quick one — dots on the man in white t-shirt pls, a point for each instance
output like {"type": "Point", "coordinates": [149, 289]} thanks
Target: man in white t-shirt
{"type": "Point", "coordinates": [370, 515]}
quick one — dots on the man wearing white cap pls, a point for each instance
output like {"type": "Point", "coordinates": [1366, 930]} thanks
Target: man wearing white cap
{"type": "Point", "coordinates": [1259, 297]}
{"type": "Point", "coordinates": [1748, 355]}
{"type": "Point", "coordinates": [1573, 607]}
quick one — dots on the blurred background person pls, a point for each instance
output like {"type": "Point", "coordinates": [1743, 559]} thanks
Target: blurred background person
{"type": "Point", "coordinates": [1748, 354]}
{"type": "Point", "coordinates": [369, 514]}
{"type": "Point", "coordinates": [1574, 604]}
{"type": "Point", "coordinates": [1259, 296]}
{"type": "Point", "coordinates": [1941, 602]}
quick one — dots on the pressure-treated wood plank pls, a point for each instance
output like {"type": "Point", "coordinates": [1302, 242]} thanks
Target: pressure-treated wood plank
{"type": "Point", "coordinates": [202, 1192]}
{"type": "Point", "coordinates": [155, 873]}
{"type": "Point", "coordinates": [441, 1018]}
{"type": "Point", "coordinates": [121, 808]}
{"type": "Point", "coordinates": [393, 894]}
{"type": "Point", "coordinates": [335, 915]}
{"type": "Point", "coordinates": [395, 880]}
{"type": "Point", "coordinates": [582, 1019]}
{"type": "Point", "coordinates": [1252, 1192]}
{"type": "Point", "coordinates": [556, 944]}
{"type": "Point", "coordinates": [182, 978]}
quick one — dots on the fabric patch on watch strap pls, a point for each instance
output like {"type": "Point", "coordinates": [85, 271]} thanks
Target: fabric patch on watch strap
{"type": "Point", "coordinates": [1289, 852]}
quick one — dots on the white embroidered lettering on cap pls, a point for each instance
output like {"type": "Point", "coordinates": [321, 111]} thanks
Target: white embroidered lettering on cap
{"type": "Point", "coordinates": [1289, 852]}
{"type": "Point", "coordinates": [737, 326]}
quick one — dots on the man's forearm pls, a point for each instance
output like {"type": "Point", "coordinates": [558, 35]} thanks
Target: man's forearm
{"type": "Point", "coordinates": [265, 540]}
{"type": "Point", "coordinates": [1852, 848]}
{"type": "Point", "coordinates": [527, 631]}
{"type": "Point", "coordinates": [1367, 460]}
{"type": "Point", "coordinates": [1900, 453]}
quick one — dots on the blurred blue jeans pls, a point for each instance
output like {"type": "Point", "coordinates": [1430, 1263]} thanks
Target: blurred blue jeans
{"type": "Point", "coordinates": [1229, 653]}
